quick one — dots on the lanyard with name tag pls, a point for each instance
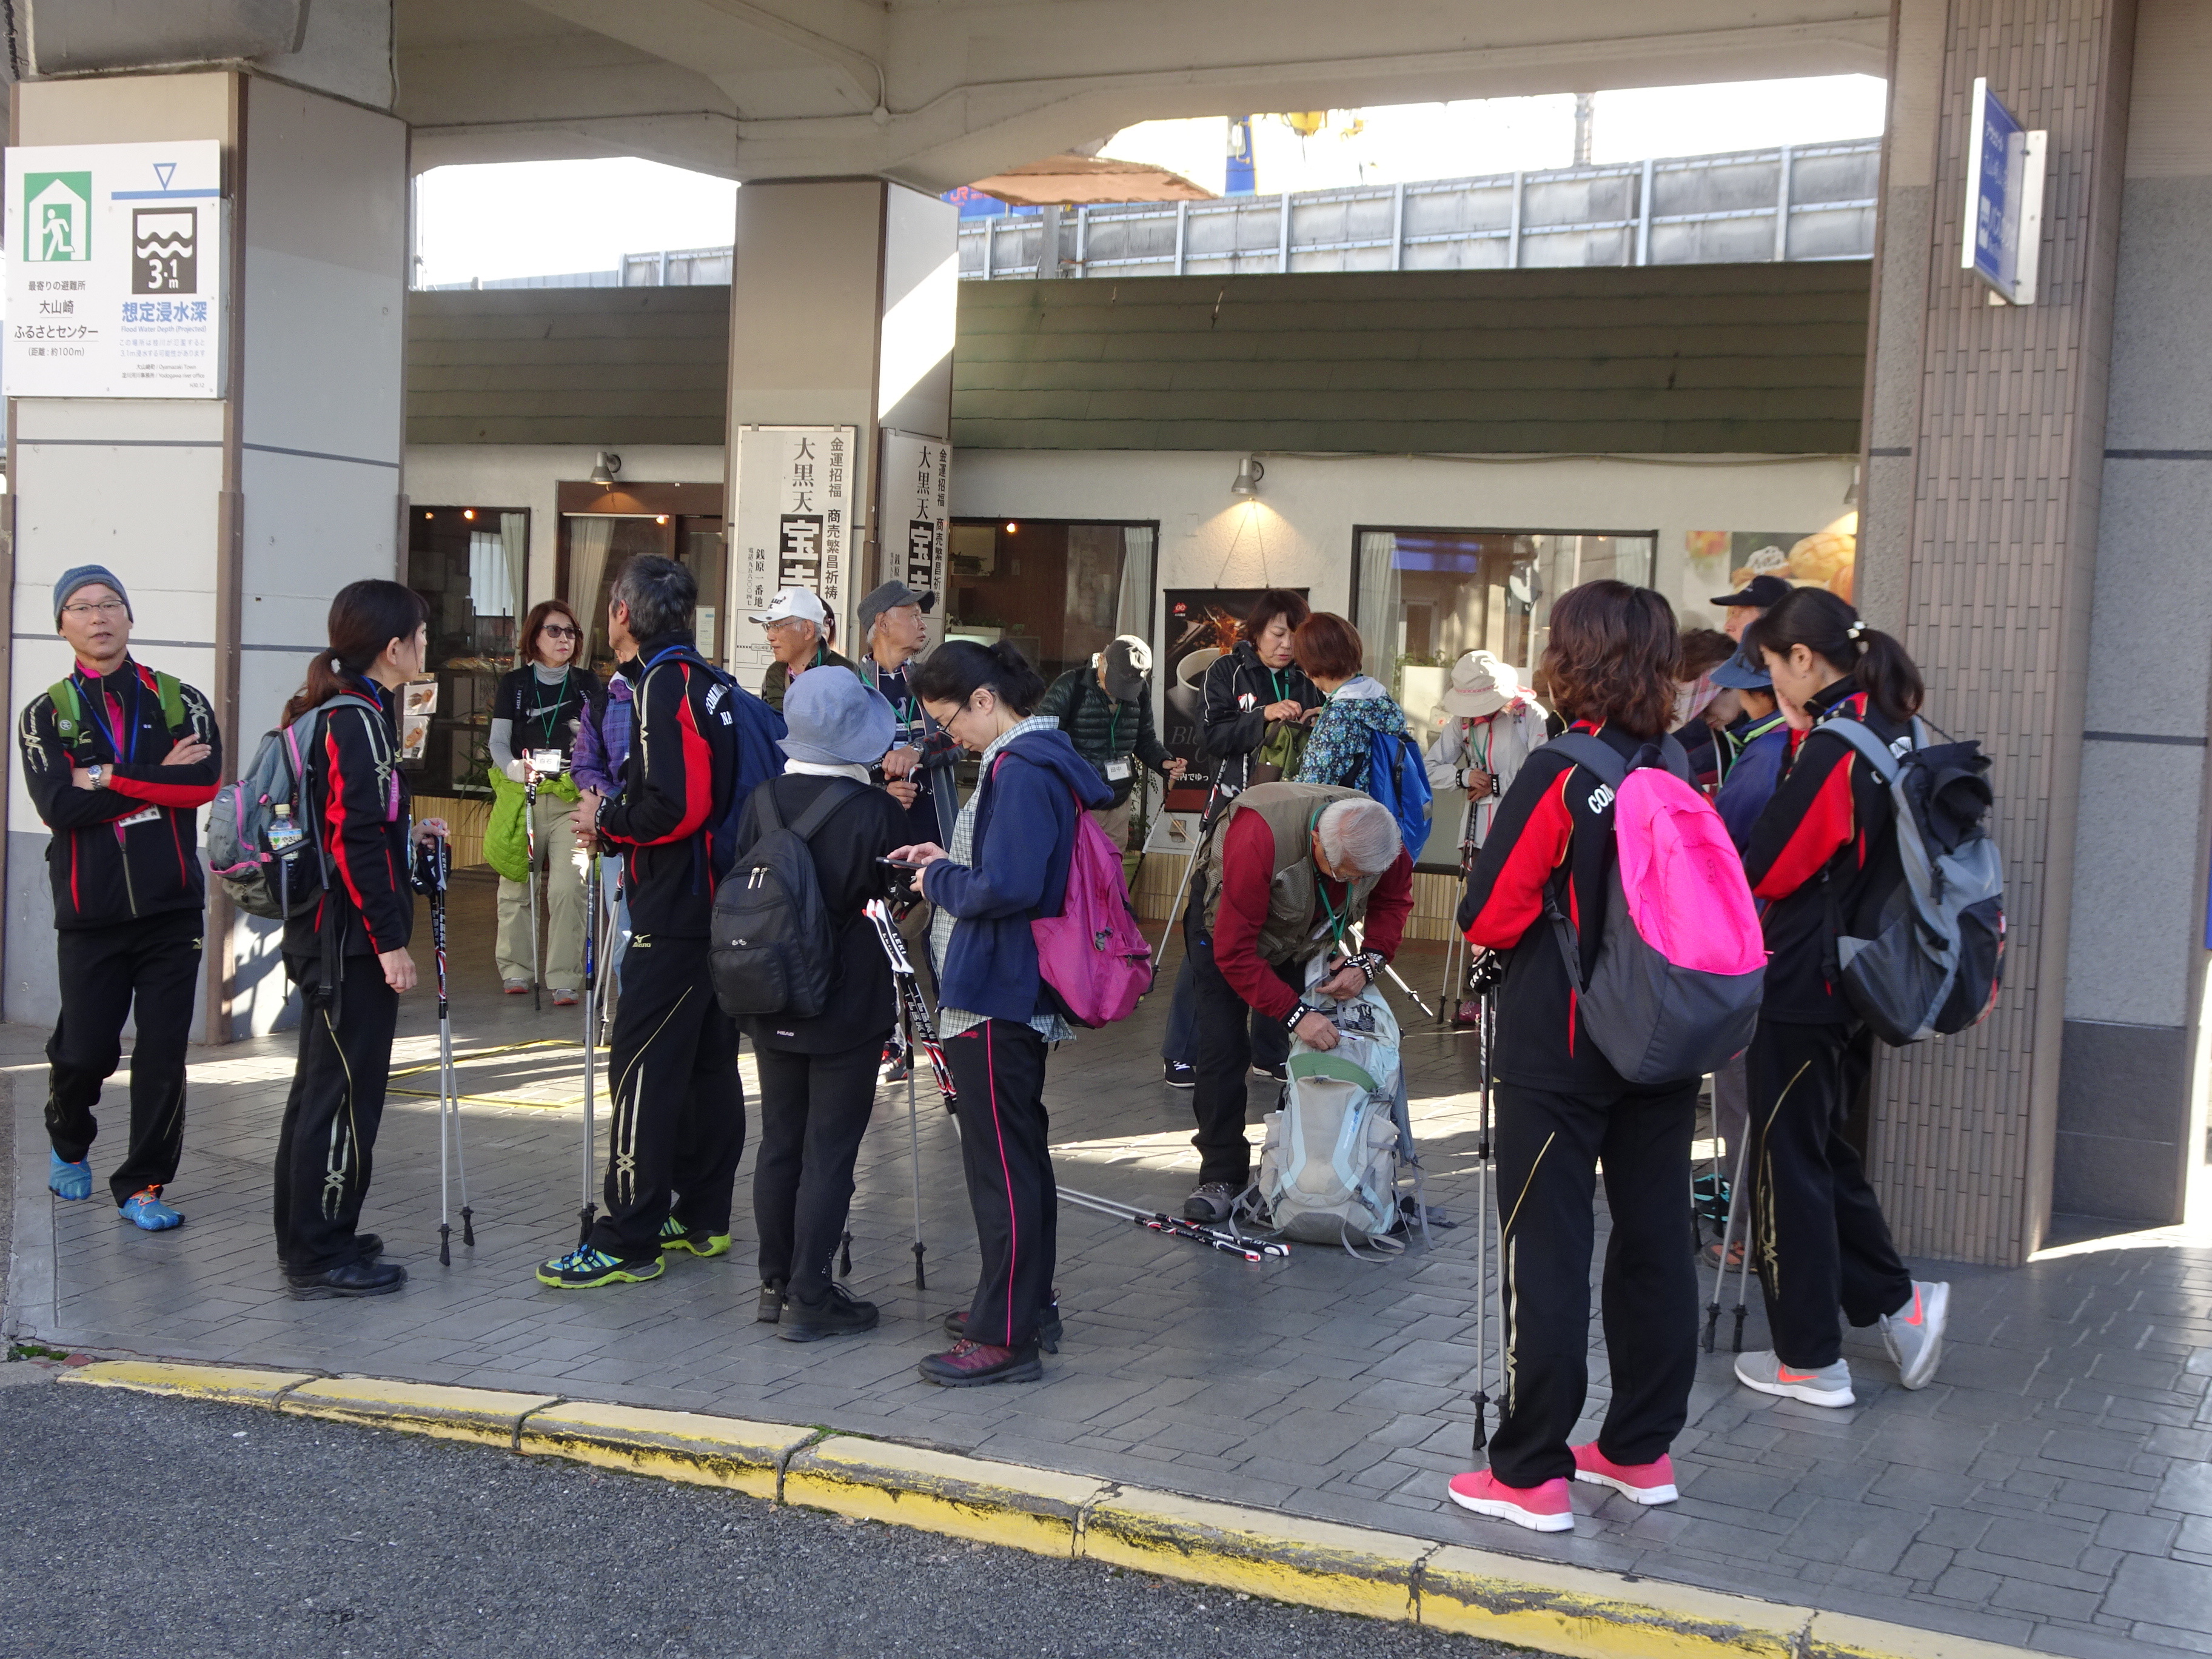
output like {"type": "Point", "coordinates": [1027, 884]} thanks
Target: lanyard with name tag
{"type": "Point", "coordinates": [151, 815]}
{"type": "Point", "coordinates": [1117, 768]}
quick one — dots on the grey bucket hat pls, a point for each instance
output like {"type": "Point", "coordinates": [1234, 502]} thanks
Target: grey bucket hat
{"type": "Point", "coordinates": [834, 720]}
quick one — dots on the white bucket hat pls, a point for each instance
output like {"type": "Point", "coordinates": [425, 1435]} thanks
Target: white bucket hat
{"type": "Point", "coordinates": [1480, 684]}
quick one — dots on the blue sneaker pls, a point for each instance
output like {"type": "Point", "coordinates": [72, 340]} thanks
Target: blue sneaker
{"type": "Point", "coordinates": [68, 1180]}
{"type": "Point", "coordinates": [144, 1209]}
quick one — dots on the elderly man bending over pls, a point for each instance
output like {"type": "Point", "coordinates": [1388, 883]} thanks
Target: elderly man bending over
{"type": "Point", "coordinates": [1288, 869]}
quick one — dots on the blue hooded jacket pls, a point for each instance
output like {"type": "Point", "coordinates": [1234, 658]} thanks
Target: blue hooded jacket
{"type": "Point", "coordinates": [1024, 841]}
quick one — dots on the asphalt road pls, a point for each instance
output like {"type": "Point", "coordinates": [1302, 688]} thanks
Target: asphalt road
{"type": "Point", "coordinates": [132, 1525]}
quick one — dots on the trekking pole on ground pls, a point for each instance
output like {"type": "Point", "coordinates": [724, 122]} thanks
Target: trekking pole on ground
{"type": "Point", "coordinates": [920, 1034]}
{"type": "Point", "coordinates": [1727, 1232]}
{"type": "Point", "coordinates": [589, 1211]}
{"type": "Point", "coordinates": [1159, 1221]}
{"type": "Point", "coordinates": [449, 1093]}
{"type": "Point", "coordinates": [530, 844]}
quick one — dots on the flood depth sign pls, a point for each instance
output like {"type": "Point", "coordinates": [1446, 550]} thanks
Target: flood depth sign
{"type": "Point", "coordinates": [2004, 200]}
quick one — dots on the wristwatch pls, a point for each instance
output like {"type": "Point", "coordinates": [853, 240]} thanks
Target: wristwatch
{"type": "Point", "coordinates": [95, 772]}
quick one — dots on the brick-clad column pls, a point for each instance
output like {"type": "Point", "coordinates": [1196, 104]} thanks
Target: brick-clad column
{"type": "Point", "coordinates": [1984, 473]}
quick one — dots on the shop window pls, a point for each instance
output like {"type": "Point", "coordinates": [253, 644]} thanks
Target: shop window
{"type": "Point", "coordinates": [470, 564]}
{"type": "Point", "coordinates": [1059, 589]}
{"type": "Point", "coordinates": [1422, 598]}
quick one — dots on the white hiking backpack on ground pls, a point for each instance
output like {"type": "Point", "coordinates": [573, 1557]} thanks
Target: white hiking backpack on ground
{"type": "Point", "coordinates": [1337, 1148]}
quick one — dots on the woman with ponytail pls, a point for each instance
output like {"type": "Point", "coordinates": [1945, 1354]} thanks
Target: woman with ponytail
{"type": "Point", "coordinates": [349, 953]}
{"type": "Point", "coordinates": [1824, 858]}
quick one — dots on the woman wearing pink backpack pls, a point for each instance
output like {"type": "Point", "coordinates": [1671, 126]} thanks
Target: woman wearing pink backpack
{"type": "Point", "coordinates": [1008, 864]}
{"type": "Point", "coordinates": [1563, 1106]}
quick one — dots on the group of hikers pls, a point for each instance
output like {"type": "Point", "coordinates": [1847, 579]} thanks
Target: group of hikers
{"type": "Point", "coordinates": [683, 782]}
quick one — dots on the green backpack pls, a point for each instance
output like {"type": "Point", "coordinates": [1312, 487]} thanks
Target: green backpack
{"type": "Point", "coordinates": [73, 728]}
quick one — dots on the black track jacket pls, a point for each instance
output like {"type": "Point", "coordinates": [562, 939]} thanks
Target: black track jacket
{"type": "Point", "coordinates": [683, 765]}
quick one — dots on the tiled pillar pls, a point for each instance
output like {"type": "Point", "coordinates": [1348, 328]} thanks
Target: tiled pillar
{"type": "Point", "coordinates": [1984, 469]}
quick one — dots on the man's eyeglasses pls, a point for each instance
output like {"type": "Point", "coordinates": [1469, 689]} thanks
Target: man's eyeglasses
{"type": "Point", "coordinates": [557, 632]}
{"type": "Point", "coordinates": [105, 608]}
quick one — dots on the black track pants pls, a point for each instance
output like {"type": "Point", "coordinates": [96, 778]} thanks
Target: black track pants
{"type": "Point", "coordinates": [813, 1111]}
{"type": "Point", "coordinates": [998, 1069]}
{"type": "Point", "coordinates": [151, 968]}
{"type": "Point", "coordinates": [676, 1101]}
{"type": "Point", "coordinates": [1548, 1147]}
{"type": "Point", "coordinates": [1224, 1062]}
{"type": "Point", "coordinates": [1270, 1042]}
{"type": "Point", "coordinates": [1815, 1222]}
{"type": "Point", "coordinates": [324, 1150]}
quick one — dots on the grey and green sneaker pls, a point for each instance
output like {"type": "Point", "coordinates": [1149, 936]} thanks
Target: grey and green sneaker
{"type": "Point", "coordinates": [675, 1236]}
{"type": "Point", "coordinates": [1831, 1385]}
{"type": "Point", "coordinates": [584, 1267]}
{"type": "Point", "coordinates": [1914, 1333]}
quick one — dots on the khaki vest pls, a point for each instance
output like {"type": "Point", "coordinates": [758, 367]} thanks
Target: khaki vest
{"type": "Point", "coordinates": [1289, 812]}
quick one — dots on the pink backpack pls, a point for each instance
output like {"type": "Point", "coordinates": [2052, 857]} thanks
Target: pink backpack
{"type": "Point", "coordinates": [1680, 968]}
{"type": "Point", "coordinates": [1093, 954]}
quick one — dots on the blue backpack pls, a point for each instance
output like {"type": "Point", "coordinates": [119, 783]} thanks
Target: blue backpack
{"type": "Point", "coordinates": [1397, 777]}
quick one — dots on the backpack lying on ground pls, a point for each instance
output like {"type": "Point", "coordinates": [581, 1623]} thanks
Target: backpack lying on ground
{"type": "Point", "coordinates": [771, 950]}
{"type": "Point", "coordinates": [1932, 967]}
{"type": "Point", "coordinates": [259, 881]}
{"type": "Point", "coordinates": [1330, 1165]}
{"type": "Point", "coordinates": [1682, 964]}
{"type": "Point", "coordinates": [1399, 778]}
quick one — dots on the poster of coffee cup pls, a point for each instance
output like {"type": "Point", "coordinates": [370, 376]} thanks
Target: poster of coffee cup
{"type": "Point", "coordinates": [1203, 625]}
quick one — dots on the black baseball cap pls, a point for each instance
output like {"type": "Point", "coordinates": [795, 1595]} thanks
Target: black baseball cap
{"type": "Point", "coordinates": [1763, 592]}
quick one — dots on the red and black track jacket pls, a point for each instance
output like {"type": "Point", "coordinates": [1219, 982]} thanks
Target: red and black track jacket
{"type": "Point", "coordinates": [683, 765]}
{"type": "Point", "coordinates": [130, 847]}
{"type": "Point", "coordinates": [1823, 854]}
{"type": "Point", "coordinates": [1552, 837]}
{"type": "Point", "coordinates": [364, 818]}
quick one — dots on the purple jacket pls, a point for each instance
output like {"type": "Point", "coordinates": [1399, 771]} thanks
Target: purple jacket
{"type": "Point", "coordinates": [603, 740]}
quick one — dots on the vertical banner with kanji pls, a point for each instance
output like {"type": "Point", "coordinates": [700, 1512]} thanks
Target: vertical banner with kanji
{"type": "Point", "coordinates": [916, 491]}
{"type": "Point", "coordinates": [791, 525]}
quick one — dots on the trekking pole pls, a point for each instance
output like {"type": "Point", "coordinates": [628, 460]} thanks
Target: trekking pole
{"type": "Point", "coordinates": [585, 1215]}
{"type": "Point", "coordinates": [1174, 1227]}
{"type": "Point", "coordinates": [1727, 1232]}
{"type": "Point", "coordinates": [920, 1034]}
{"type": "Point", "coordinates": [1449, 993]}
{"type": "Point", "coordinates": [914, 1149]}
{"type": "Point", "coordinates": [449, 1093]}
{"type": "Point", "coordinates": [1189, 864]}
{"type": "Point", "coordinates": [1482, 1234]}
{"type": "Point", "coordinates": [1743, 1277]}
{"type": "Point", "coordinates": [530, 844]}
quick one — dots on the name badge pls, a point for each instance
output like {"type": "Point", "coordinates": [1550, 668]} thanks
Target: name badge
{"type": "Point", "coordinates": [151, 815]}
{"type": "Point", "coordinates": [1116, 769]}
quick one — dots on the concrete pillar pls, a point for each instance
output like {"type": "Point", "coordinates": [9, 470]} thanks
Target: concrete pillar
{"type": "Point", "coordinates": [232, 520]}
{"type": "Point", "coordinates": [1983, 487]}
{"type": "Point", "coordinates": [843, 296]}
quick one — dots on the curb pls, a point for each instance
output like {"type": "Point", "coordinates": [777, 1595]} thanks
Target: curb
{"type": "Point", "coordinates": [1512, 1599]}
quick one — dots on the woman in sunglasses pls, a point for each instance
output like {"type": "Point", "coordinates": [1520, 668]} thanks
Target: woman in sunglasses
{"type": "Point", "coordinates": [535, 716]}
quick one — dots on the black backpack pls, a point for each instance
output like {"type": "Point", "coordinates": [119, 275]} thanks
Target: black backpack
{"type": "Point", "coordinates": [770, 950]}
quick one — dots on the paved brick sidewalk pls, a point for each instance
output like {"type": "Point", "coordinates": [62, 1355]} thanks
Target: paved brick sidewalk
{"type": "Point", "coordinates": [2050, 1490]}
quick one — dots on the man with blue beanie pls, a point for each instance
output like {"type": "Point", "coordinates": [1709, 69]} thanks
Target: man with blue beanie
{"type": "Point", "coordinates": [118, 758]}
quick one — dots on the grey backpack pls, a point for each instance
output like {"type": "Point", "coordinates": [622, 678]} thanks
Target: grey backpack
{"type": "Point", "coordinates": [1932, 966]}
{"type": "Point", "coordinates": [275, 881]}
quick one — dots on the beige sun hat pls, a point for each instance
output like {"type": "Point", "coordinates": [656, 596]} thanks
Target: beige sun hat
{"type": "Point", "coordinates": [1480, 684]}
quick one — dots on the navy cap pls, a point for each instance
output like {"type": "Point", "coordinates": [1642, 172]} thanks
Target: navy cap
{"type": "Point", "coordinates": [1741, 673]}
{"type": "Point", "coordinates": [1764, 592]}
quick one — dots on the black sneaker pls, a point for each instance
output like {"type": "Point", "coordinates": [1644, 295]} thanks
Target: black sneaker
{"type": "Point", "coordinates": [771, 1302]}
{"type": "Point", "coordinates": [837, 1315]}
{"type": "Point", "coordinates": [1048, 1327]}
{"type": "Point", "coordinates": [1178, 1074]}
{"type": "Point", "coordinates": [1280, 1073]}
{"type": "Point", "coordinates": [969, 1365]}
{"type": "Point", "coordinates": [356, 1278]}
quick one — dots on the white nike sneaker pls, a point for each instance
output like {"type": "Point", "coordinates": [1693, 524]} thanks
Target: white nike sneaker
{"type": "Point", "coordinates": [1831, 1385]}
{"type": "Point", "coordinates": [1914, 1333]}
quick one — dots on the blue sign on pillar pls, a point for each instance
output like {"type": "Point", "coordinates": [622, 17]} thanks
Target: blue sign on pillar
{"type": "Point", "coordinates": [2004, 200]}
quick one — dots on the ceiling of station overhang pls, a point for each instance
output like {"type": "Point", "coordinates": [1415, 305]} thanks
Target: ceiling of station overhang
{"type": "Point", "coordinates": [939, 93]}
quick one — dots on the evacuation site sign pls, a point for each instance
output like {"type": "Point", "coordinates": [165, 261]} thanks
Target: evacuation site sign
{"type": "Point", "coordinates": [115, 271]}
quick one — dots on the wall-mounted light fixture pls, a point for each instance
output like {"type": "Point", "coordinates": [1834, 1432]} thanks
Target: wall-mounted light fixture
{"type": "Point", "coordinates": [605, 469]}
{"type": "Point", "coordinates": [1249, 474]}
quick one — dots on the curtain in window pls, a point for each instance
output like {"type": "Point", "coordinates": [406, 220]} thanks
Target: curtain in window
{"type": "Point", "coordinates": [1133, 614]}
{"type": "Point", "coordinates": [490, 593]}
{"type": "Point", "coordinates": [1379, 604]}
{"type": "Point", "coordinates": [515, 537]}
{"type": "Point", "coordinates": [590, 536]}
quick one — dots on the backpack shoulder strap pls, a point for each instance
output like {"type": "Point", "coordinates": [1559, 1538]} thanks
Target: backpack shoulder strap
{"type": "Point", "coordinates": [1593, 753]}
{"type": "Point", "coordinates": [1861, 737]}
{"type": "Point", "coordinates": [172, 694]}
{"type": "Point", "coordinates": [1674, 758]}
{"type": "Point", "coordinates": [68, 706]}
{"type": "Point", "coordinates": [840, 791]}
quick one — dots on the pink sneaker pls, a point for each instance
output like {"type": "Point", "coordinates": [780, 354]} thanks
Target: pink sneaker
{"type": "Point", "coordinates": [1541, 1508]}
{"type": "Point", "coordinates": [1647, 1483]}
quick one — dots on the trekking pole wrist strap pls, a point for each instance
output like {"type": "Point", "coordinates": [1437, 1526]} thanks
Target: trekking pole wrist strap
{"type": "Point", "coordinates": [1291, 1022]}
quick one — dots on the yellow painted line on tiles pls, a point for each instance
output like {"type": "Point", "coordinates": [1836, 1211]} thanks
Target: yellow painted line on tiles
{"type": "Point", "coordinates": [1034, 1510]}
{"type": "Point", "coordinates": [1506, 1598]}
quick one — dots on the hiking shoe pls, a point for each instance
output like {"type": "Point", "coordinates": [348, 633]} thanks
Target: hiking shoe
{"type": "Point", "coordinates": [1048, 1327]}
{"type": "Point", "coordinates": [1178, 1074]}
{"type": "Point", "coordinates": [1214, 1201]}
{"type": "Point", "coordinates": [563, 998]}
{"type": "Point", "coordinates": [1541, 1508]}
{"type": "Point", "coordinates": [68, 1180]}
{"type": "Point", "coordinates": [675, 1236]}
{"type": "Point", "coordinates": [1647, 1483]}
{"type": "Point", "coordinates": [968, 1365]}
{"type": "Point", "coordinates": [896, 1068]}
{"type": "Point", "coordinates": [1831, 1385]}
{"type": "Point", "coordinates": [355, 1278]}
{"type": "Point", "coordinates": [838, 1313]}
{"type": "Point", "coordinates": [584, 1267]}
{"type": "Point", "coordinates": [1280, 1073]}
{"type": "Point", "coordinates": [1914, 1333]}
{"type": "Point", "coordinates": [144, 1209]}
{"type": "Point", "coordinates": [771, 1302]}
{"type": "Point", "coordinates": [371, 1246]}
{"type": "Point", "coordinates": [515, 988]}
{"type": "Point", "coordinates": [1711, 1254]}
